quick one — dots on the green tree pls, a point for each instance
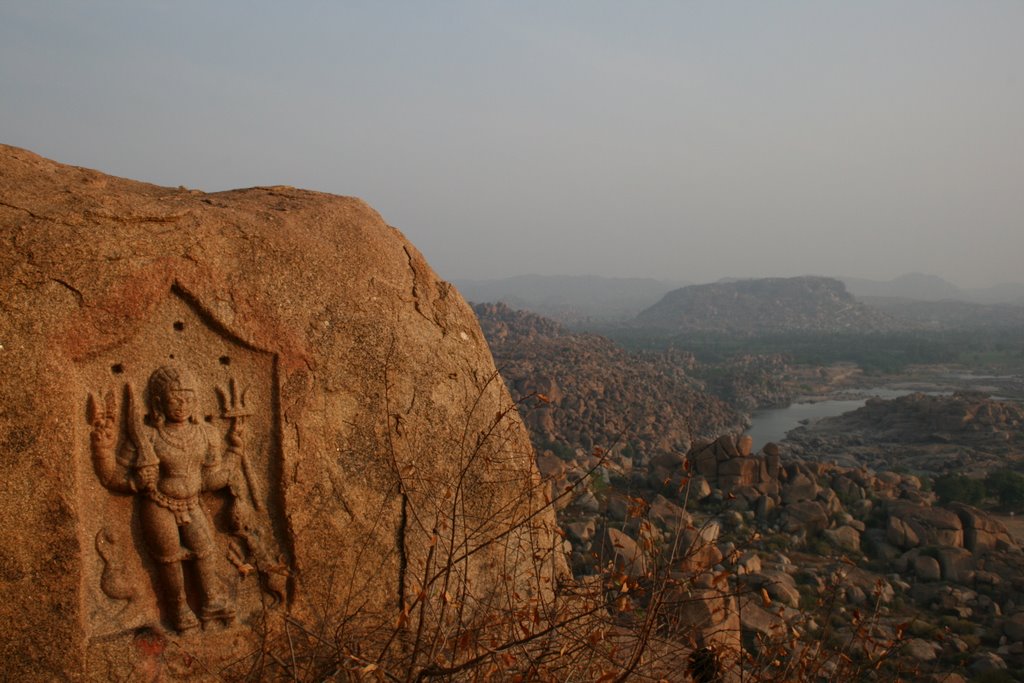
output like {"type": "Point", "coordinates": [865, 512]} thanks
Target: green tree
{"type": "Point", "coordinates": [957, 488]}
{"type": "Point", "coordinates": [1008, 487]}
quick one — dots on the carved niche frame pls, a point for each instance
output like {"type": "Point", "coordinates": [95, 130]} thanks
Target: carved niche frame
{"type": "Point", "coordinates": [121, 589]}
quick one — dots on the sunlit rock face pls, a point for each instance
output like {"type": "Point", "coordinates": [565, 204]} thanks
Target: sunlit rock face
{"type": "Point", "coordinates": [221, 413]}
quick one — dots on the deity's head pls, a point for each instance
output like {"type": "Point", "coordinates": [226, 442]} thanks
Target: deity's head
{"type": "Point", "coordinates": [172, 395]}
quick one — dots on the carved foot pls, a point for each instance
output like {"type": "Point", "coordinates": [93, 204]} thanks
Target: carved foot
{"type": "Point", "coordinates": [183, 618]}
{"type": "Point", "coordinates": [217, 611]}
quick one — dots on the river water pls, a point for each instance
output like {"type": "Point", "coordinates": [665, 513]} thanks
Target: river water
{"type": "Point", "coordinates": [773, 423]}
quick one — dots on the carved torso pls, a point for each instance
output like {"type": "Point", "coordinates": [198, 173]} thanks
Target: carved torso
{"type": "Point", "coordinates": [183, 452]}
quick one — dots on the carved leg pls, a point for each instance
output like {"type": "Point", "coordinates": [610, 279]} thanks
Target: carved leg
{"type": "Point", "coordinates": [198, 539]}
{"type": "Point", "coordinates": [173, 580]}
{"type": "Point", "coordinates": [214, 602]}
{"type": "Point", "coordinates": [164, 542]}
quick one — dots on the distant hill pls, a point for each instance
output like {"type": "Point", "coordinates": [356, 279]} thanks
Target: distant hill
{"type": "Point", "coordinates": [929, 302]}
{"type": "Point", "coordinates": [912, 301]}
{"type": "Point", "coordinates": [922, 287]}
{"type": "Point", "coordinates": [570, 299]}
{"type": "Point", "coordinates": [768, 305]}
{"type": "Point", "coordinates": [911, 286]}
{"type": "Point", "coordinates": [1004, 293]}
{"type": "Point", "coordinates": [951, 315]}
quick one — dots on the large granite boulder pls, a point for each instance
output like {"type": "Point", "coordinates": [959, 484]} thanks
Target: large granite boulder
{"type": "Point", "coordinates": [929, 525]}
{"type": "Point", "coordinates": [982, 532]}
{"type": "Point", "coordinates": [627, 555]}
{"type": "Point", "coordinates": [221, 414]}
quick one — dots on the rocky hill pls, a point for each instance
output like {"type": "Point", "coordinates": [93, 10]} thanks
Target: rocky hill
{"type": "Point", "coordinates": [770, 305]}
{"type": "Point", "coordinates": [774, 551]}
{"type": "Point", "coordinates": [596, 393]}
{"type": "Point", "coordinates": [750, 382]}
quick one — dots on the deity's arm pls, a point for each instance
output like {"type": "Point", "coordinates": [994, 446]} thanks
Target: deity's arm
{"type": "Point", "coordinates": [218, 468]}
{"type": "Point", "coordinates": [113, 467]}
{"type": "Point", "coordinates": [114, 472]}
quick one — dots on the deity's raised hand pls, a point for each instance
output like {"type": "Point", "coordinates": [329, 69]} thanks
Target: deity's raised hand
{"type": "Point", "coordinates": [103, 417]}
{"type": "Point", "coordinates": [234, 406]}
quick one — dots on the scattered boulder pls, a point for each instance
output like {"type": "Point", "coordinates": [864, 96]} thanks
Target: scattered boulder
{"type": "Point", "coordinates": [756, 619]}
{"type": "Point", "coordinates": [700, 549]}
{"type": "Point", "coordinates": [1013, 627]}
{"type": "Point", "coordinates": [987, 661]}
{"type": "Point", "coordinates": [844, 537]}
{"type": "Point", "coordinates": [709, 614]}
{"type": "Point", "coordinates": [779, 585]}
{"type": "Point", "coordinates": [625, 553]}
{"type": "Point", "coordinates": [901, 534]}
{"type": "Point", "coordinates": [799, 488]}
{"type": "Point", "coordinates": [927, 568]}
{"type": "Point", "coordinates": [581, 532]}
{"type": "Point", "coordinates": [807, 516]}
{"type": "Point", "coordinates": [982, 532]}
{"type": "Point", "coordinates": [931, 525]}
{"type": "Point", "coordinates": [957, 564]}
{"type": "Point", "coordinates": [921, 650]}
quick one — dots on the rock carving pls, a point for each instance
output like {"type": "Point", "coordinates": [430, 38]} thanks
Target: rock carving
{"type": "Point", "coordinates": [115, 581]}
{"type": "Point", "coordinates": [168, 458]}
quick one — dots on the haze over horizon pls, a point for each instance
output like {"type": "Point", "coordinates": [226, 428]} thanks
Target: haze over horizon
{"type": "Point", "coordinates": [677, 141]}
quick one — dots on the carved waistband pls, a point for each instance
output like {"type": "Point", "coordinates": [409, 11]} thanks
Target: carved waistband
{"type": "Point", "coordinates": [181, 507]}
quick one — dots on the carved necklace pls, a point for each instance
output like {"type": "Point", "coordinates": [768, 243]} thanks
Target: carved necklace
{"type": "Point", "coordinates": [181, 443]}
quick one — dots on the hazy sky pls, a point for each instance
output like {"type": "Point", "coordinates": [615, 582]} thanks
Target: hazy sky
{"type": "Point", "coordinates": [683, 140]}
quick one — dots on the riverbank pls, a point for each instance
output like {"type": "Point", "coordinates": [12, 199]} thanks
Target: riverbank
{"type": "Point", "coordinates": [853, 390]}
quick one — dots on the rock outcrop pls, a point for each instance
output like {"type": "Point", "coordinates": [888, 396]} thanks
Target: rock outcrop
{"type": "Point", "coordinates": [591, 392]}
{"type": "Point", "coordinates": [750, 382]}
{"type": "Point", "coordinates": [962, 432]}
{"type": "Point", "coordinates": [238, 407]}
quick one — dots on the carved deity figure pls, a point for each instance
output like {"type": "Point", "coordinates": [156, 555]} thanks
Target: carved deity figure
{"type": "Point", "coordinates": [168, 459]}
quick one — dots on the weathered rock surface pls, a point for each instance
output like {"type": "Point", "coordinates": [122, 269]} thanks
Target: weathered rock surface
{"type": "Point", "coordinates": [927, 568]}
{"type": "Point", "coordinates": [930, 525]}
{"type": "Point", "coordinates": [981, 531]}
{"type": "Point", "coordinates": [373, 412]}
